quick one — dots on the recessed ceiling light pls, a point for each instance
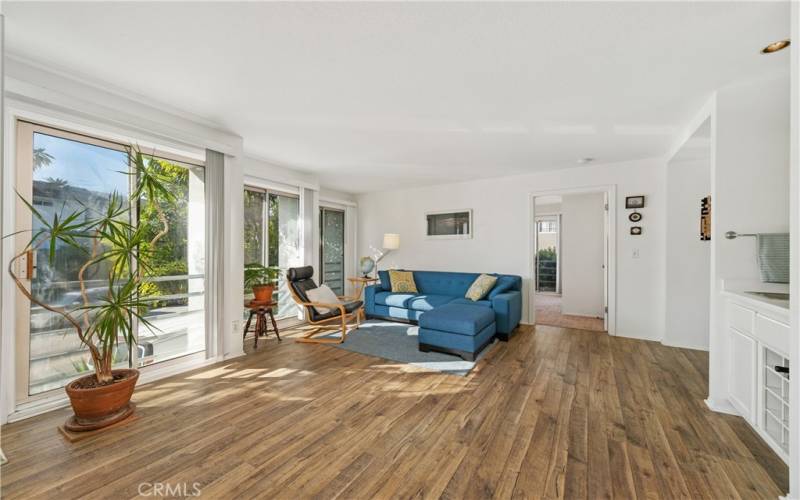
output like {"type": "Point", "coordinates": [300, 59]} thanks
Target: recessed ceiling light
{"type": "Point", "coordinates": [776, 46]}
{"type": "Point", "coordinates": [586, 160]}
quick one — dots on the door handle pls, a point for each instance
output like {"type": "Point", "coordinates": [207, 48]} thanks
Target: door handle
{"type": "Point", "coordinates": [30, 267]}
{"type": "Point", "coordinates": [25, 266]}
{"type": "Point", "coordinates": [782, 369]}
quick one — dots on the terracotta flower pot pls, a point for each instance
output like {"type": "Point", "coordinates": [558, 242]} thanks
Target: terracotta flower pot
{"type": "Point", "coordinates": [263, 293]}
{"type": "Point", "coordinates": [98, 407]}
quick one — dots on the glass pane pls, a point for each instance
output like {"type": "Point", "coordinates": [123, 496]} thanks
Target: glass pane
{"type": "Point", "coordinates": [177, 264]}
{"type": "Point", "coordinates": [254, 227]}
{"type": "Point", "coordinates": [332, 255]}
{"type": "Point", "coordinates": [67, 176]}
{"type": "Point", "coordinates": [547, 255]}
{"type": "Point", "coordinates": [283, 245]}
{"type": "Point", "coordinates": [448, 224]}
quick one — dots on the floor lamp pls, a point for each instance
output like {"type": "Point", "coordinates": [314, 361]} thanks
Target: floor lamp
{"type": "Point", "coordinates": [391, 241]}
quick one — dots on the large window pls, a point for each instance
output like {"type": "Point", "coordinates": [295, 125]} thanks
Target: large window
{"type": "Point", "coordinates": [331, 253]}
{"type": "Point", "coordinates": [272, 238]}
{"type": "Point", "coordinates": [177, 275]}
{"type": "Point", "coordinates": [61, 172]}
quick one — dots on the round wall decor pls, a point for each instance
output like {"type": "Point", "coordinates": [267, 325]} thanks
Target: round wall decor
{"type": "Point", "coordinates": [635, 217]}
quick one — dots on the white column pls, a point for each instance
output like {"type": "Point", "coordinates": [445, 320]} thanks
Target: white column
{"type": "Point", "coordinates": [794, 225]}
{"type": "Point", "coordinates": [233, 286]}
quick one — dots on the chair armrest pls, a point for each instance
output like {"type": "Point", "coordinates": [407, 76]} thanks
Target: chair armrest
{"type": "Point", "coordinates": [325, 305]}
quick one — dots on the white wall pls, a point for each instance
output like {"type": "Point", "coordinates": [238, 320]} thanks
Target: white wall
{"type": "Point", "coordinates": [688, 258]}
{"type": "Point", "coordinates": [548, 208]}
{"type": "Point", "coordinates": [256, 169]}
{"type": "Point", "coordinates": [582, 240]}
{"type": "Point", "coordinates": [750, 194]}
{"type": "Point", "coordinates": [503, 230]}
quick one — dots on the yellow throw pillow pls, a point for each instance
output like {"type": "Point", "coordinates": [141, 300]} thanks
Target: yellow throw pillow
{"type": "Point", "coordinates": [482, 285]}
{"type": "Point", "coordinates": [402, 281]}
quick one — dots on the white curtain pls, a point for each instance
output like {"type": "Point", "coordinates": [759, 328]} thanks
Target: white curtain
{"type": "Point", "coordinates": [215, 255]}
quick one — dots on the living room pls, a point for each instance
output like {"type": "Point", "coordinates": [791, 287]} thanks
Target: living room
{"type": "Point", "coordinates": [298, 243]}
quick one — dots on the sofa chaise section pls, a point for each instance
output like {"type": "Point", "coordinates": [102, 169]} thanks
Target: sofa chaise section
{"type": "Point", "coordinates": [459, 329]}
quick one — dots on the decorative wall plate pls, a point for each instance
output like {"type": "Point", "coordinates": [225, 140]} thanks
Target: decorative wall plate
{"type": "Point", "coordinates": [635, 217]}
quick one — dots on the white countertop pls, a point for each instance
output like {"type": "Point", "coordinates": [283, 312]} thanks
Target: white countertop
{"type": "Point", "coordinates": [737, 290]}
{"type": "Point", "coordinates": [760, 300]}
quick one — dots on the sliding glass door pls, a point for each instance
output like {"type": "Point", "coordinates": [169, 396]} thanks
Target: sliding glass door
{"type": "Point", "coordinates": [272, 238]}
{"type": "Point", "coordinates": [332, 248]}
{"type": "Point", "coordinates": [62, 172]}
{"type": "Point", "coordinates": [177, 265]}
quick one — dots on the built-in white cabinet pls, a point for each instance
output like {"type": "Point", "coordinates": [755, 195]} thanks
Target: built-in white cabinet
{"type": "Point", "coordinates": [775, 387]}
{"type": "Point", "coordinates": [742, 384]}
{"type": "Point", "coordinates": [758, 383]}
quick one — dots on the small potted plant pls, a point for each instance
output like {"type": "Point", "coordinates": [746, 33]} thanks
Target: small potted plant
{"type": "Point", "coordinates": [262, 280]}
{"type": "Point", "coordinates": [120, 251]}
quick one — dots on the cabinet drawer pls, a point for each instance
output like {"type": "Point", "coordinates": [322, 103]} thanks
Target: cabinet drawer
{"type": "Point", "coordinates": [740, 318]}
{"type": "Point", "coordinates": [772, 333]}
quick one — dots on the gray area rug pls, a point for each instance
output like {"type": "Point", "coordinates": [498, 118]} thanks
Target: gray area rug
{"type": "Point", "coordinates": [398, 342]}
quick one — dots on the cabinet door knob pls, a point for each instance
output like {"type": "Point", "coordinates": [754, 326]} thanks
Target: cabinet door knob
{"type": "Point", "coordinates": [781, 369]}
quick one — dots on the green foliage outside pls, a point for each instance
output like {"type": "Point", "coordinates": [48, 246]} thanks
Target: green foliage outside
{"type": "Point", "coordinates": [547, 254]}
{"type": "Point", "coordinates": [170, 254]}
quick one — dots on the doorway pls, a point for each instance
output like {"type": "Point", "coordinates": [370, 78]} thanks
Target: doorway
{"type": "Point", "coordinates": [572, 269]}
{"type": "Point", "coordinates": [548, 276]}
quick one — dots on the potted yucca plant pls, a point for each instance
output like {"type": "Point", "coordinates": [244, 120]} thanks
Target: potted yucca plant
{"type": "Point", "coordinates": [113, 244]}
{"type": "Point", "coordinates": [262, 280]}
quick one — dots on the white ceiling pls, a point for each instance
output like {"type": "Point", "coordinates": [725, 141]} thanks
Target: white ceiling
{"type": "Point", "coordinates": [382, 95]}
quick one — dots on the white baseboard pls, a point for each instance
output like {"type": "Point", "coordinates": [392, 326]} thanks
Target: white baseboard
{"type": "Point", "coordinates": [721, 407]}
{"type": "Point", "coordinates": [686, 346]}
{"type": "Point", "coordinates": [234, 355]}
{"type": "Point", "coordinates": [581, 315]}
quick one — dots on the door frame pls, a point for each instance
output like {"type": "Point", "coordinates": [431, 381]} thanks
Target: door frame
{"type": "Point", "coordinates": [610, 272]}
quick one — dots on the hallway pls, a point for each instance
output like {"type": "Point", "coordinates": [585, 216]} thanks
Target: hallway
{"type": "Point", "coordinates": [548, 312]}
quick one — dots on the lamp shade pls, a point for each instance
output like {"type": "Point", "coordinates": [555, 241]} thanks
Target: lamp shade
{"type": "Point", "coordinates": [391, 241]}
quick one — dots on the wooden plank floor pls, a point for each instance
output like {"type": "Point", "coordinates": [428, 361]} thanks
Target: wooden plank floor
{"type": "Point", "coordinates": [554, 413]}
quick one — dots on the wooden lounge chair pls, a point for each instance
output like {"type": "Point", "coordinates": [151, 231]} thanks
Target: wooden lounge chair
{"type": "Point", "coordinates": [335, 319]}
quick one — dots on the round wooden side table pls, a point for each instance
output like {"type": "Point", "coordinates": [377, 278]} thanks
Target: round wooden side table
{"type": "Point", "coordinates": [260, 310]}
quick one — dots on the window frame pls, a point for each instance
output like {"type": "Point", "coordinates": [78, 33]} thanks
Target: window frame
{"type": "Point", "coordinates": [465, 236]}
{"type": "Point", "coordinates": [23, 133]}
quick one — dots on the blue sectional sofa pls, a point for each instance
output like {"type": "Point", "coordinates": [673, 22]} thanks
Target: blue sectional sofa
{"type": "Point", "coordinates": [437, 289]}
